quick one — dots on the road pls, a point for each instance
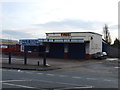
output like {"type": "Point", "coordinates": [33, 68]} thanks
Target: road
{"type": "Point", "coordinates": [74, 74]}
{"type": "Point", "coordinates": [58, 79]}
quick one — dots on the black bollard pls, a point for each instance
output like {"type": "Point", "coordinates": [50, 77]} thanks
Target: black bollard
{"type": "Point", "coordinates": [38, 63]}
{"type": "Point", "coordinates": [44, 60]}
{"type": "Point", "coordinates": [25, 58]}
{"type": "Point", "coordinates": [9, 57]}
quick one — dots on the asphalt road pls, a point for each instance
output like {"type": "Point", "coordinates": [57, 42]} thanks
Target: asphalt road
{"type": "Point", "coordinates": [58, 79]}
{"type": "Point", "coordinates": [74, 74]}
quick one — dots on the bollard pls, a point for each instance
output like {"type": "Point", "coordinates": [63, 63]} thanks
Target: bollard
{"type": "Point", "coordinates": [9, 57]}
{"type": "Point", "coordinates": [44, 60]}
{"type": "Point", "coordinates": [38, 63]}
{"type": "Point", "coordinates": [25, 58]}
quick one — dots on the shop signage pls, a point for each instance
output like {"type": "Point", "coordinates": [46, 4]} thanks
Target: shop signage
{"type": "Point", "coordinates": [61, 40]}
{"type": "Point", "coordinates": [39, 41]}
{"type": "Point", "coordinates": [29, 42]}
{"type": "Point", "coordinates": [65, 34]}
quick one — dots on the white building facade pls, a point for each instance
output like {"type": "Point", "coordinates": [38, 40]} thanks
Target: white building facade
{"type": "Point", "coordinates": [72, 45]}
{"type": "Point", "coordinates": [92, 41]}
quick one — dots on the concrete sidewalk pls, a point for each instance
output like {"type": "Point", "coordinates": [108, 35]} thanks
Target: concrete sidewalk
{"type": "Point", "coordinates": [29, 67]}
{"type": "Point", "coordinates": [17, 62]}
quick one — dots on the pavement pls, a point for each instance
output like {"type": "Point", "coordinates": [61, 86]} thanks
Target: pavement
{"type": "Point", "coordinates": [54, 64]}
{"type": "Point", "coordinates": [29, 67]}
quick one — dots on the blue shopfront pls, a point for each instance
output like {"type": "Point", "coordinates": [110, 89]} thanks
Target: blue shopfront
{"type": "Point", "coordinates": [55, 48]}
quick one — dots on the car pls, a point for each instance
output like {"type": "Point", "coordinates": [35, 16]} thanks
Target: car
{"type": "Point", "coordinates": [100, 55]}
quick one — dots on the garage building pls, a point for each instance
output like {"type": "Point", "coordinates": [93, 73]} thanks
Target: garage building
{"type": "Point", "coordinates": [72, 45]}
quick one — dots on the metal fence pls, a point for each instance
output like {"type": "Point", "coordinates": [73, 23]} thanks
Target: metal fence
{"type": "Point", "coordinates": [113, 52]}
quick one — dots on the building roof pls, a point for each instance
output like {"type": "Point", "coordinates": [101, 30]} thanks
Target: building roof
{"type": "Point", "coordinates": [8, 41]}
{"type": "Point", "coordinates": [73, 32]}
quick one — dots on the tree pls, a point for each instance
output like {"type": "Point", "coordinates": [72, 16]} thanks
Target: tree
{"type": "Point", "coordinates": [116, 43]}
{"type": "Point", "coordinates": [107, 36]}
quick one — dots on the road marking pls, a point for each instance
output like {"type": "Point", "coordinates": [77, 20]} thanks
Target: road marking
{"type": "Point", "coordinates": [50, 74]}
{"type": "Point", "coordinates": [13, 80]}
{"type": "Point", "coordinates": [62, 75]}
{"type": "Point", "coordinates": [88, 86]}
{"type": "Point", "coordinates": [40, 73]}
{"type": "Point", "coordinates": [29, 72]}
{"type": "Point", "coordinates": [107, 80]}
{"type": "Point", "coordinates": [91, 78]}
{"type": "Point", "coordinates": [18, 85]}
{"type": "Point", "coordinates": [72, 88]}
{"type": "Point", "coordinates": [117, 67]}
{"type": "Point", "coordinates": [76, 77]}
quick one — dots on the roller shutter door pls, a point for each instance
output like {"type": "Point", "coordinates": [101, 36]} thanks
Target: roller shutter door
{"type": "Point", "coordinates": [56, 50]}
{"type": "Point", "coordinates": [77, 51]}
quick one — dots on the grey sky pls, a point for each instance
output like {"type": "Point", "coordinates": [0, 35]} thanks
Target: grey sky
{"type": "Point", "coordinates": [34, 19]}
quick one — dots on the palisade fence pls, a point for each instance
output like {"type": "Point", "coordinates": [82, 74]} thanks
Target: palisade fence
{"type": "Point", "coordinates": [113, 52]}
{"type": "Point", "coordinates": [24, 58]}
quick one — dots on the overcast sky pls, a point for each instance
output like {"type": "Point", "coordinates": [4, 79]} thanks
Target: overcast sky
{"type": "Point", "coordinates": [33, 18]}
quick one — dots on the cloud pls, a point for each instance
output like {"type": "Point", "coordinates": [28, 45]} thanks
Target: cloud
{"type": "Point", "coordinates": [114, 27]}
{"type": "Point", "coordinates": [68, 25]}
{"type": "Point", "coordinates": [15, 34]}
{"type": "Point", "coordinates": [86, 25]}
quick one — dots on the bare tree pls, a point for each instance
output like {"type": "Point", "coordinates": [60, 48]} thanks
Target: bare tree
{"type": "Point", "coordinates": [107, 36]}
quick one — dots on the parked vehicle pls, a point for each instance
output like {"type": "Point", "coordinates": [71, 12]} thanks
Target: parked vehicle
{"type": "Point", "coordinates": [100, 55]}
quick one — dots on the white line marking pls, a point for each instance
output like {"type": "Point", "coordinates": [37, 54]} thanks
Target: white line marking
{"type": "Point", "coordinates": [18, 85]}
{"type": "Point", "coordinates": [40, 73]}
{"type": "Point", "coordinates": [76, 77]}
{"type": "Point", "coordinates": [79, 87]}
{"type": "Point", "coordinates": [29, 72]}
{"type": "Point", "coordinates": [62, 75]}
{"type": "Point", "coordinates": [117, 67]}
{"type": "Point", "coordinates": [13, 80]}
{"type": "Point", "coordinates": [63, 83]}
{"type": "Point", "coordinates": [50, 74]}
{"type": "Point", "coordinates": [91, 78]}
{"type": "Point", "coordinates": [107, 80]}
